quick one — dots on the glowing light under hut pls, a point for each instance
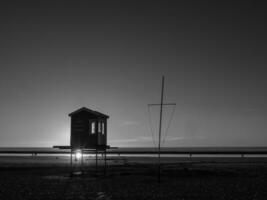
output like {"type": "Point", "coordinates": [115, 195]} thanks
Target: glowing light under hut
{"type": "Point", "coordinates": [78, 154]}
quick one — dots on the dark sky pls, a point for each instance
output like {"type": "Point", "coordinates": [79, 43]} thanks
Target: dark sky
{"type": "Point", "coordinates": [57, 56]}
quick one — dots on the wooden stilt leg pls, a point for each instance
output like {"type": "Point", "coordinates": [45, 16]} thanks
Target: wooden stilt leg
{"type": "Point", "coordinates": [82, 161]}
{"type": "Point", "coordinates": [96, 161]}
{"type": "Point", "coordinates": [105, 160]}
{"type": "Point", "coordinates": [71, 161]}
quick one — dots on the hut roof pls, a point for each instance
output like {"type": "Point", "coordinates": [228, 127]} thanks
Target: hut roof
{"type": "Point", "coordinates": [84, 109]}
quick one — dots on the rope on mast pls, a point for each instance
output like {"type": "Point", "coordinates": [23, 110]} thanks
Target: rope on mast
{"type": "Point", "coordinates": [151, 128]}
{"type": "Point", "coordinates": [166, 132]}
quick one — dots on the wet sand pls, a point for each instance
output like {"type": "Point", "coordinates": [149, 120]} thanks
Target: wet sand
{"type": "Point", "coordinates": [50, 177]}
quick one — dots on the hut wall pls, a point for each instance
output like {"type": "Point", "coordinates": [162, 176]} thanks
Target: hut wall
{"type": "Point", "coordinates": [81, 131]}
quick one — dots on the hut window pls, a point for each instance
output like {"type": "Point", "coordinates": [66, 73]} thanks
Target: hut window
{"type": "Point", "coordinates": [99, 127]}
{"type": "Point", "coordinates": [93, 127]}
{"type": "Point", "coordinates": [103, 128]}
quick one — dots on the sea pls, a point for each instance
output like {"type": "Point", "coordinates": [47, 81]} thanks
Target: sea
{"type": "Point", "coordinates": [145, 151]}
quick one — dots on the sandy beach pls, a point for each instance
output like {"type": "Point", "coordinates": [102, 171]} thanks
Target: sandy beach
{"type": "Point", "coordinates": [50, 177]}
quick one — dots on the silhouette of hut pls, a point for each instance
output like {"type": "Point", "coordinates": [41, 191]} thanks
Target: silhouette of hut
{"type": "Point", "coordinates": [88, 129]}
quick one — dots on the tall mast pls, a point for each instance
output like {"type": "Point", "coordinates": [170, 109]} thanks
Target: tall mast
{"type": "Point", "coordinates": [160, 121]}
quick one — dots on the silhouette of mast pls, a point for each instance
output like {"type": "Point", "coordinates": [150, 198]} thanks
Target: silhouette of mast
{"type": "Point", "coordinates": [160, 122]}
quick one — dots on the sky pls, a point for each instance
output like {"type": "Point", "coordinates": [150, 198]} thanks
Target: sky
{"type": "Point", "coordinates": [109, 56]}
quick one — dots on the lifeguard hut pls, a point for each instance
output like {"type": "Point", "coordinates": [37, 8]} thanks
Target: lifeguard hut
{"type": "Point", "coordinates": [88, 133]}
{"type": "Point", "coordinates": [88, 129]}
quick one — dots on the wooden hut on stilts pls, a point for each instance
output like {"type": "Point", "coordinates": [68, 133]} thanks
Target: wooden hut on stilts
{"type": "Point", "coordinates": [88, 134]}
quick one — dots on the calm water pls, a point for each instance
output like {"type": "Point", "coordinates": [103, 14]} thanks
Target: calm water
{"type": "Point", "coordinates": [56, 152]}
